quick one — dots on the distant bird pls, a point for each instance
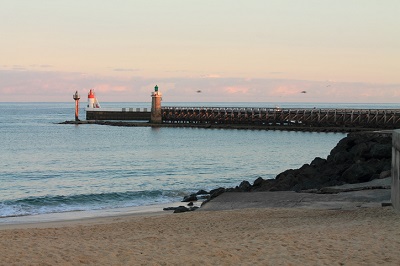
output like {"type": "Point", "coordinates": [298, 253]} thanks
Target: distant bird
{"type": "Point", "coordinates": [199, 91]}
{"type": "Point", "coordinates": [328, 85]}
{"type": "Point", "coordinates": [303, 92]}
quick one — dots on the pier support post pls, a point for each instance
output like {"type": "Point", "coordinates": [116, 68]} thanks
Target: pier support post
{"type": "Point", "coordinates": [156, 116]}
{"type": "Point", "coordinates": [395, 192]}
{"type": "Point", "coordinates": [76, 98]}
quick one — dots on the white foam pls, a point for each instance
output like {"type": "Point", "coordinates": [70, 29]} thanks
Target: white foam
{"type": "Point", "coordinates": [78, 215]}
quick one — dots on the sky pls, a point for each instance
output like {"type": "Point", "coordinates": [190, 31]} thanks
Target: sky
{"type": "Point", "coordinates": [229, 50]}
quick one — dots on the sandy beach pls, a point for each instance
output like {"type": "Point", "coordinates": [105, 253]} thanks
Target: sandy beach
{"type": "Point", "coordinates": [262, 236]}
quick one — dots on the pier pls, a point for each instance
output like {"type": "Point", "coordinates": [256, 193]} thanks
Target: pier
{"type": "Point", "coordinates": [277, 117]}
{"type": "Point", "coordinates": [246, 116]}
{"type": "Point", "coordinates": [368, 118]}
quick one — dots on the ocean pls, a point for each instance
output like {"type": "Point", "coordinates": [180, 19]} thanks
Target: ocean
{"type": "Point", "coordinates": [46, 167]}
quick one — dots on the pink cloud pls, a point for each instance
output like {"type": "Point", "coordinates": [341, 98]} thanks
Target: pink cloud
{"type": "Point", "coordinates": [236, 90]}
{"type": "Point", "coordinates": [285, 90]}
{"type": "Point", "coordinates": [106, 88]}
{"type": "Point", "coordinates": [8, 90]}
{"type": "Point", "coordinates": [212, 76]}
{"type": "Point", "coordinates": [59, 86]}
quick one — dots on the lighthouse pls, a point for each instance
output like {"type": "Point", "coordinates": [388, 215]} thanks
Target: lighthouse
{"type": "Point", "coordinates": [76, 98]}
{"type": "Point", "coordinates": [156, 116]}
{"type": "Point", "coordinates": [92, 100]}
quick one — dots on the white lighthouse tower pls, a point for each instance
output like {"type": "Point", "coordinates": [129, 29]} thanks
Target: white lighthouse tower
{"type": "Point", "coordinates": [92, 100]}
{"type": "Point", "coordinates": [76, 97]}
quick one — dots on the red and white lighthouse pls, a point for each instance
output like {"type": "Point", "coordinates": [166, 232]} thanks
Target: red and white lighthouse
{"type": "Point", "coordinates": [92, 100]}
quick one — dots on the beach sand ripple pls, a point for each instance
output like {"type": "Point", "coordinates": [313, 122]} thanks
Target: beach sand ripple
{"type": "Point", "coordinates": [365, 236]}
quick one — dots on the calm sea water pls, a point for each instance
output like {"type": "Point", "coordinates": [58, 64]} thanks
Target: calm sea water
{"type": "Point", "coordinates": [48, 168]}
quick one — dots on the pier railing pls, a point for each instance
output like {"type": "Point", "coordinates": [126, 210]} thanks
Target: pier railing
{"type": "Point", "coordinates": [374, 118]}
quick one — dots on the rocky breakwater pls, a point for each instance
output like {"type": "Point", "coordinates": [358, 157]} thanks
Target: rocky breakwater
{"type": "Point", "coordinates": [357, 158]}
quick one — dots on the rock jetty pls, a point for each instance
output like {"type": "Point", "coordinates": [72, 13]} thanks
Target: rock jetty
{"type": "Point", "coordinates": [357, 158]}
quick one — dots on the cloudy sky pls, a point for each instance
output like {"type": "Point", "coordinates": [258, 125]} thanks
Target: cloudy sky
{"type": "Point", "coordinates": [230, 50]}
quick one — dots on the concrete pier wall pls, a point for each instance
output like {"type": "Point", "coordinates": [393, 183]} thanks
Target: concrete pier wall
{"type": "Point", "coordinates": [396, 170]}
{"type": "Point", "coordinates": [117, 114]}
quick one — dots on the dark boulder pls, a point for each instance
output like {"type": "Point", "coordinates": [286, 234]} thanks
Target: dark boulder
{"type": "Point", "coordinates": [216, 192]}
{"type": "Point", "coordinates": [381, 151]}
{"type": "Point", "coordinates": [359, 150]}
{"type": "Point", "coordinates": [181, 209]}
{"type": "Point", "coordinates": [201, 192]}
{"type": "Point", "coordinates": [244, 186]}
{"type": "Point", "coordinates": [192, 197]}
{"type": "Point", "coordinates": [342, 157]}
{"type": "Point", "coordinates": [285, 181]}
{"type": "Point", "coordinates": [385, 174]}
{"type": "Point", "coordinates": [169, 208]}
{"type": "Point", "coordinates": [258, 182]}
{"type": "Point", "coordinates": [263, 184]}
{"type": "Point", "coordinates": [318, 162]}
{"type": "Point", "coordinates": [359, 172]}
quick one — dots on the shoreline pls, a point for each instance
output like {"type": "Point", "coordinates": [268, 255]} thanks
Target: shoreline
{"type": "Point", "coordinates": [78, 217]}
{"type": "Point", "coordinates": [373, 194]}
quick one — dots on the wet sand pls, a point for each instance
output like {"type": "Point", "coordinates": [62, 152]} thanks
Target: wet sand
{"type": "Point", "coordinates": [262, 236]}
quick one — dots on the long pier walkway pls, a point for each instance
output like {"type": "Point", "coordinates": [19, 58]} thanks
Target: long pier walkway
{"type": "Point", "coordinates": [252, 116]}
{"type": "Point", "coordinates": [359, 118]}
